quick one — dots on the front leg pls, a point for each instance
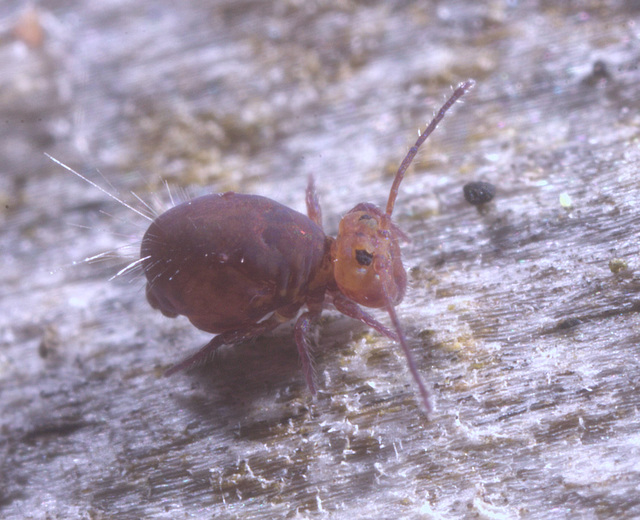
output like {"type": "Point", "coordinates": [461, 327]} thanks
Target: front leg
{"type": "Point", "coordinates": [353, 310]}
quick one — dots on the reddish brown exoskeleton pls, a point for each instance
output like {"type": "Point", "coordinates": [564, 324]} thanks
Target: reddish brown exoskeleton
{"type": "Point", "coordinates": [240, 265]}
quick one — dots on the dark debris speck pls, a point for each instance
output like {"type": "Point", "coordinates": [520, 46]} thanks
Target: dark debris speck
{"type": "Point", "coordinates": [479, 192]}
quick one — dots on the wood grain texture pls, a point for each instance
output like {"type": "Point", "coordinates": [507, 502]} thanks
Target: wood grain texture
{"type": "Point", "coordinates": [523, 317]}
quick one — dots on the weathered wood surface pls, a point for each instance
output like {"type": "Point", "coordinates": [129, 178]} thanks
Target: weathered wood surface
{"type": "Point", "coordinates": [527, 337]}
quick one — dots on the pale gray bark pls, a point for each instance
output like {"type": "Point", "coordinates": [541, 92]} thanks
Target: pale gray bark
{"type": "Point", "coordinates": [523, 317]}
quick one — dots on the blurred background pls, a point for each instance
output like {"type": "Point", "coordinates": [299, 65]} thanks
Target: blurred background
{"type": "Point", "coordinates": [523, 315]}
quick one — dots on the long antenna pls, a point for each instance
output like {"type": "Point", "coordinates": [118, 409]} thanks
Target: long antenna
{"type": "Point", "coordinates": [457, 94]}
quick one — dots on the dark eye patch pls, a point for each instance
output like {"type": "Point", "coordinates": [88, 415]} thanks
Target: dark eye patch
{"type": "Point", "coordinates": [365, 217]}
{"type": "Point", "coordinates": [363, 257]}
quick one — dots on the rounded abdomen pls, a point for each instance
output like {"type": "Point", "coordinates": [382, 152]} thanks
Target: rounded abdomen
{"type": "Point", "coordinates": [227, 260]}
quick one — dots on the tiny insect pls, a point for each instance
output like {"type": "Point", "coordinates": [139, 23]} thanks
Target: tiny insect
{"type": "Point", "coordinates": [240, 265]}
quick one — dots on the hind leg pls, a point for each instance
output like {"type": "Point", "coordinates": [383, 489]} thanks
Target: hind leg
{"type": "Point", "coordinates": [302, 334]}
{"type": "Point", "coordinates": [226, 338]}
